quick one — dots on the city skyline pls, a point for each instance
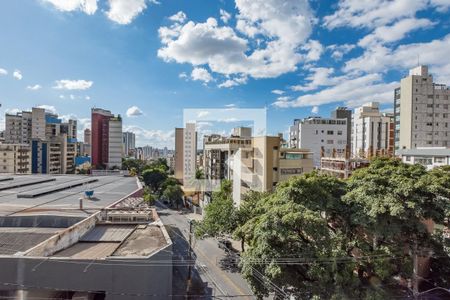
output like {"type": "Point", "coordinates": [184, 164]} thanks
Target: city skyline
{"type": "Point", "coordinates": [140, 61]}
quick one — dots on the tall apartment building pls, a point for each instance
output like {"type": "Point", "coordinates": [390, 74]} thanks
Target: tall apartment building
{"type": "Point", "coordinates": [344, 113]}
{"type": "Point", "coordinates": [185, 152]}
{"type": "Point", "coordinates": [373, 132]}
{"type": "Point", "coordinates": [266, 164]}
{"type": "Point", "coordinates": [53, 142]}
{"type": "Point", "coordinates": [324, 137]}
{"type": "Point", "coordinates": [129, 143]}
{"type": "Point", "coordinates": [106, 136]}
{"type": "Point", "coordinates": [421, 109]}
{"type": "Point", "coordinates": [15, 159]}
{"type": "Point", "coordinates": [87, 142]}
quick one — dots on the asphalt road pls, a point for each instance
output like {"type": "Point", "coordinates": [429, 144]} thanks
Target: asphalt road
{"type": "Point", "coordinates": [212, 278]}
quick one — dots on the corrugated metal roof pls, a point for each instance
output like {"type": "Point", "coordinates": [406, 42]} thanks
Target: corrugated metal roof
{"type": "Point", "coordinates": [108, 233]}
{"type": "Point", "coordinates": [14, 240]}
{"type": "Point", "coordinates": [88, 250]}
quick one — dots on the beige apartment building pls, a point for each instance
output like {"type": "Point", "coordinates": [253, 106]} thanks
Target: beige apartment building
{"type": "Point", "coordinates": [373, 132]}
{"type": "Point", "coordinates": [185, 152]}
{"type": "Point", "coordinates": [252, 163]}
{"type": "Point", "coordinates": [421, 111]}
{"type": "Point", "coordinates": [15, 159]}
{"type": "Point", "coordinates": [267, 163]}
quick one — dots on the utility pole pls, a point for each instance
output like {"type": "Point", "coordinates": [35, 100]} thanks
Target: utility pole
{"type": "Point", "coordinates": [415, 271]}
{"type": "Point", "coordinates": [190, 254]}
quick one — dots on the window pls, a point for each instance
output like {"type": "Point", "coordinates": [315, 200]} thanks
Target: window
{"type": "Point", "coordinates": [430, 115]}
{"type": "Point", "coordinates": [430, 96]}
{"type": "Point", "coordinates": [339, 132]}
{"type": "Point", "coordinates": [439, 160]}
{"type": "Point", "coordinates": [424, 161]}
{"type": "Point", "coordinates": [330, 132]}
{"type": "Point", "coordinates": [408, 158]}
{"type": "Point", "coordinates": [446, 105]}
{"type": "Point", "coordinates": [430, 105]}
{"type": "Point", "coordinates": [429, 124]}
{"type": "Point", "coordinates": [330, 142]}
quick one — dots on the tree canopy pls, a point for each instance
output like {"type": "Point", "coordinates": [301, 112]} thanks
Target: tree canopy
{"type": "Point", "coordinates": [154, 178]}
{"type": "Point", "coordinates": [319, 236]}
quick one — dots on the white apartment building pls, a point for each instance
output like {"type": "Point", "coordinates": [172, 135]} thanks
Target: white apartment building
{"type": "Point", "coordinates": [324, 137]}
{"type": "Point", "coordinates": [373, 132]}
{"type": "Point", "coordinates": [115, 143]}
{"type": "Point", "coordinates": [190, 151]}
{"type": "Point", "coordinates": [15, 159]}
{"type": "Point", "coordinates": [429, 157]}
{"type": "Point", "coordinates": [421, 111]}
{"type": "Point", "coordinates": [129, 143]}
{"type": "Point", "coordinates": [18, 128]}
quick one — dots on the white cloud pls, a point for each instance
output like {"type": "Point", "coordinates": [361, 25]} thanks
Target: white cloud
{"type": "Point", "coordinates": [225, 16]}
{"type": "Point", "coordinates": [315, 110]}
{"type": "Point", "coordinates": [87, 6]}
{"type": "Point", "coordinates": [3, 72]}
{"type": "Point", "coordinates": [233, 82]}
{"type": "Point", "coordinates": [87, 98]}
{"type": "Point", "coordinates": [12, 111]}
{"type": "Point", "coordinates": [72, 97]}
{"type": "Point", "coordinates": [48, 108]}
{"type": "Point", "coordinates": [183, 75]}
{"type": "Point", "coordinates": [17, 75]}
{"type": "Point", "coordinates": [375, 13]}
{"type": "Point", "coordinates": [61, 97]}
{"type": "Point", "coordinates": [283, 27]}
{"type": "Point", "coordinates": [156, 138]}
{"type": "Point", "coordinates": [315, 50]}
{"type": "Point", "coordinates": [338, 51]}
{"type": "Point", "coordinates": [231, 105]}
{"type": "Point", "coordinates": [381, 59]}
{"type": "Point", "coordinates": [353, 91]}
{"type": "Point", "coordinates": [124, 11]}
{"type": "Point", "coordinates": [319, 77]}
{"type": "Point", "coordinates": [34, 87]}
{"type": "Point", "coordinates": [395, 32]}
{"type": "Point", "coordinates": [201, 74]}
{"type": "Point", "coordinates": [179, 17]}
{"type": "Point", "coordinates": [202, 113]}
{"type": "Point", "coordinates": [134, 111]}
{"type": "Point", "coordinates": [277, 92]}
{"type": "Point", "coordinates": [66, 84]}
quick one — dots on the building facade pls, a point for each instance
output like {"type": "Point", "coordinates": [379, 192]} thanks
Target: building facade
{"type": "Point", "coordinates": [429, 157]}
{"type": "Point", "coordinates": [129, 143]}
{"type": "Point", "coordinates": [87, 142]}
{"type": "Point", "coordinates": [15, 158]}
{"type": "Point", "coordinates": [373, 132]}
{"type": "Point", "coordinates": [106, 136]}
{"type": "Point", "coordinates": [324, 137]}
{"type": "Point", "coordinates": [421, 109]}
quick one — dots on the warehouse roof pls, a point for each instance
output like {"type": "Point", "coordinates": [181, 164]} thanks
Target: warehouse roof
{"type": "Point", "coordinates": [107, 190]}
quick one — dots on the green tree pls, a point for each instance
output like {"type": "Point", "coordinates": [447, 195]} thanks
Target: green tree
{"type": "Point", "coordinates": [220, 215]}
{"type": "Point", "coordinates": [174, 195]}
{"type": "Point", "coordinates": [290, 235]}
{"type": "Point", "coordinates": [148, 196]}
{"type": "Point", "coordinates": [168, 182]}
{"type": "Point", "coordinates": [154, 178]}
{"type": "Point", "coordinates": [392, 203]}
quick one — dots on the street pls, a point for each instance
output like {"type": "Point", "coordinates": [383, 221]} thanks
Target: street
{"type": "Point", "coordinates": [210, 278]}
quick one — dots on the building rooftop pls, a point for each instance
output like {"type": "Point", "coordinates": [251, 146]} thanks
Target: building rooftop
{"type": "Point", "coordinates": [18, 239]}
{"type": "Point", "coordinates": [431, 151]}
{"type": "Point", "coordinates": [65, 202]}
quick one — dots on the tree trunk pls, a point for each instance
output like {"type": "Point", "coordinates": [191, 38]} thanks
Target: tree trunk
{"type": "Point", "coordinates": [243, 244]}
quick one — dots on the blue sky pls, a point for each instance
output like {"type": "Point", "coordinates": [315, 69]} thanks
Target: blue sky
{"type": "Point", "coordinates": [152, 59]}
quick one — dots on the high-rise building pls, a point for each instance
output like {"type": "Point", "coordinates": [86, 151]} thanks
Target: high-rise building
{"type": "Point", "coordinates": [373, 132]}
{"type": "Point", "coordinates": [344, 113]}
{"type": "Point", "coordinates": [421, 109]}
{"type": "Point", "coordinates": [87, 142]}
{"type": "Point", "coordinates": [324, 137]}
{"type": "Point", "coordinates": [15, 159]}
{"type": "Point", "coordinates": [185, 152]}
{"type": "Point", "coordinates": [38, 123]}
{"type": "Point", "coordinates": [106, 136]}
{"type": "Point", "coordinates": [115, 143]}
{"type": "Point", "coordinates": [129, 143]}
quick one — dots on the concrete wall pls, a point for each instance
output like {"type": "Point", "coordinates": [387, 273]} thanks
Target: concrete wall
{"type": "Point", "coordinates": [118, 279]}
